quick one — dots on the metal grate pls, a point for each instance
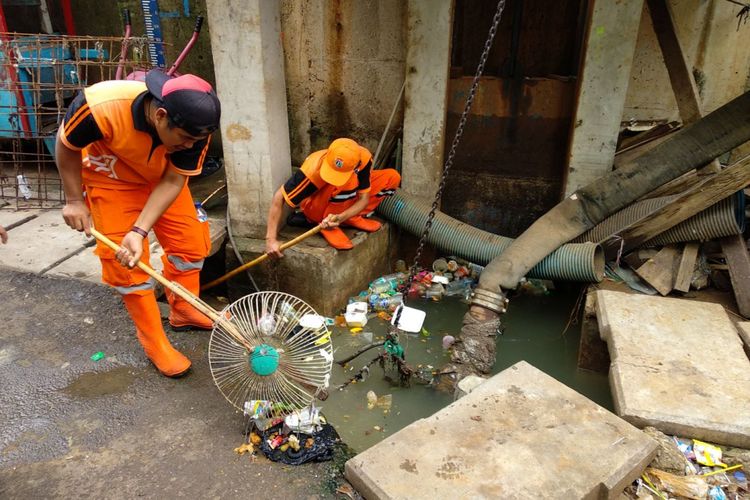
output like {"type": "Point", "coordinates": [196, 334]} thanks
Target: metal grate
{"type": "Point", "coordinates": [39, 76]}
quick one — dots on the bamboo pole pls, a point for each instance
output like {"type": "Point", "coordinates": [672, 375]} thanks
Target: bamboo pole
{"type": "Point", "coordinates": [194, 301]}
{"type": "Point", "coordinates": [260, 259]}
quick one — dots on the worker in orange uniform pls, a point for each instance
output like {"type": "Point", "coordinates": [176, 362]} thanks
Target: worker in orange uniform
{"type": "Point", "coordinates": [125, 151]}
{"type": "Point", "coordinates": [333, 187]}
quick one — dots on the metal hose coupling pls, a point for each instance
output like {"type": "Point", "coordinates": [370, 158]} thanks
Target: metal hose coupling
{"type": "Point", "coordinates": [494, 301]}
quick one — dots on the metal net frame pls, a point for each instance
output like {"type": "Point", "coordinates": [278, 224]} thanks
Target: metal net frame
{"type": "Point", "coordinates": [39, 75]}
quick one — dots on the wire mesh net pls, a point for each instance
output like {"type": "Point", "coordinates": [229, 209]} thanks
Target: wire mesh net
{"type": "Point", "coordinates": [291, 354]}
{"type": "Point", "coordinates": [40, 74]}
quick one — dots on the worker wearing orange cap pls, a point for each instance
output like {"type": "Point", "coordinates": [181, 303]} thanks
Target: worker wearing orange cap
{"type": "Point", "coordinates": [334, 186]}
{"type": "Point", "coordinates": [125, 151]}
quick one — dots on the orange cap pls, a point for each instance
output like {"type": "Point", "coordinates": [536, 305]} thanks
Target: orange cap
{"type": "Point", "coordinates": [342, 157]}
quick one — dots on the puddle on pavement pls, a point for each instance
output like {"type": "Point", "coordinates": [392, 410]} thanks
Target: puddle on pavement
{"type": "Point", "coordinates": [533, 332]}
{"type": "Point", "coordinates": [96, 384]}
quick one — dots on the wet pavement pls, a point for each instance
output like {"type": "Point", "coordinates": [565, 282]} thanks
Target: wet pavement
{"type": "Point", "coordinates": [115, 428]}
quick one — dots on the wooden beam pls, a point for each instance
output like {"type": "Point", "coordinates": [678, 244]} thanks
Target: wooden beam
{"type": "Point", "coordinates": [660, 271]}
{"type": "Point", "coordinates": [735, 251]}
{"type": "Point", "coordinates": [679, 70]}
{"type": "Point", "coordinates": [602, 88]}
{"type": "Point", "coordinates": [708, 190]}
{"type": "Point", "coordinates": [687, 265]}
{"type": "Point", "coordinates": [680, 73]}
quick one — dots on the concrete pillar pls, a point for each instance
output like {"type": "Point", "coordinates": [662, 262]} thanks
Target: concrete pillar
{"type": "Point", "coordinates": [613, 31]}
{"type": "Point", "coordinates": [249, 67]}
{"type": "Point", "coordinates": [429, 32]}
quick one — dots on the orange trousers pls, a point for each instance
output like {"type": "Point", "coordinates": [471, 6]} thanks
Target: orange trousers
{"type": "Point", "coordinates": [335, 199]}
{"type": "Point", "coordinates": [186, 241]}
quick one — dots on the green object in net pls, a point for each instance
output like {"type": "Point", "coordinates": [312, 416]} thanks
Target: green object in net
{"type": "Point", "coordinates": [394, 348]}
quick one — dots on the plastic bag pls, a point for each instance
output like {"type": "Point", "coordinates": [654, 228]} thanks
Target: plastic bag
{"type": "Point", "coordinates": [707, 454]}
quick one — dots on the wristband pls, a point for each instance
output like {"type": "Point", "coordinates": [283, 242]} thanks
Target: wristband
{"type": "Point", "coordinates": [136, 229]}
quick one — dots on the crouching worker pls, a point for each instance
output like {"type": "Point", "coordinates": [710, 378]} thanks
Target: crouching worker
{"type": "Point", "coordinates": [335, 186]}
{"type": "Point", "coordinates": [124, 152]}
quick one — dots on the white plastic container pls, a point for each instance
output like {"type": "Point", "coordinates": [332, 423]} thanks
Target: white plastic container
{"type": "Point", "coordinates": [356, 314]}
{"type": "Point", "coordinates": [411, 319]}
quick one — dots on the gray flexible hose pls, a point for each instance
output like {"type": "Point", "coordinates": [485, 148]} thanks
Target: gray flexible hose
{"type": "Point", "coordinates": [573, 262]}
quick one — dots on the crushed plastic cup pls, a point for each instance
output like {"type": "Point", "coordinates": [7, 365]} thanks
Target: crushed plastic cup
{"type": "Point", "coordinates": [372, 399]}
{"type": "Point", "coordinates": [267, 324]}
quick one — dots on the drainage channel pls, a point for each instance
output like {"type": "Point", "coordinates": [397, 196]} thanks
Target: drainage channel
{"type": "Point", "coordinates": [534, 331]}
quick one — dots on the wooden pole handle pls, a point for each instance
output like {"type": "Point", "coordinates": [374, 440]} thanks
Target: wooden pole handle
{"type": "Point", "coordinates": [260, 259]}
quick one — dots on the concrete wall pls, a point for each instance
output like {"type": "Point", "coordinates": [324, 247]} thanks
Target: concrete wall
{"type": "Point", "coordinates": [344, 63]}
{"type": "Point", "coordinates": [718, 51]}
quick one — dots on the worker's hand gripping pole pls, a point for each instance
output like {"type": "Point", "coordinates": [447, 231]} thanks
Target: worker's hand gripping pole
{"type": "Point", "coordinates": [182, 292]}
{"type": "Point", "coordinates": [260, 259]}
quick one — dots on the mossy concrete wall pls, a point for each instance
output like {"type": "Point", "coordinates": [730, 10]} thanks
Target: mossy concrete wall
{"type": "Point", "coordinates": [314, 271]}
{"type": "Point", "coordinates": [344, 64]}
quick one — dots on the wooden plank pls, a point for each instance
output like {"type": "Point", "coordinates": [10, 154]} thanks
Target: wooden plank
{"type": "Point", "coordinates": [686, 267]}
{"type": "Point", "coordinates": [680, 71]}
{"type": "Point", "coordinates": [605, 73]}
{"type": "Point", "coordinates": [660, 271]}
{"type": "Point", "coordinates": [735, 251]}
{"type": "Point", "coordinates": [708, 190]}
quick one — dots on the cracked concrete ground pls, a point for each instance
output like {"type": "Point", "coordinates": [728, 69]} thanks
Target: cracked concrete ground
{"type": "Point", "coordinates": [115, 428]}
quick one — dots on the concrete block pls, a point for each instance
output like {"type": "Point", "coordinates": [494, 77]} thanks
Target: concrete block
{"type": "Point", "coordinates": [677, 365]}
{"type": "Point", "coordinates": [315, 272]}
{"type": "Point", "coordinates": [520, 434]}
{"type": "Point", "coordinates": [9, 218]}
{"type": "Point", "coordinates": [592, 350]}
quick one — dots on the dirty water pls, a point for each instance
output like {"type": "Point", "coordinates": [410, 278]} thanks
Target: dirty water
{"type": "Point", "coordinates": [96, 384]}
{"type": "Point", "coordinates": [533, 331]}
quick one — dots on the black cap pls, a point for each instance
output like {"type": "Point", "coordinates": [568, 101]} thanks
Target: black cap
{"type": "Point", "coordinates": [190, 101]}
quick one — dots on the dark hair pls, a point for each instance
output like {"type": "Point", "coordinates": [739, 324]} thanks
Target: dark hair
{"type": "Point", "coordinates": [160, 104]}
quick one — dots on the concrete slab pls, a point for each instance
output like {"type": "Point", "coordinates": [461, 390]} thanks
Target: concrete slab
{"type": "Point", "coordinates": [677, 365]}
{"type": "Point", "coordinates": [40, 243]}
{"type": "Point", "coordinates": [520, 434]}
{"type": "Point", "coordinates": [85, 265]}
{"type": "Point", "coordinates": [10, 218]}
{"type": "Point", "coordinates": [316, 272]}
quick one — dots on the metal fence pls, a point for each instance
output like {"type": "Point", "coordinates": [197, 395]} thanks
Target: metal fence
{"type": "Point", "coordinates": [39, 76]}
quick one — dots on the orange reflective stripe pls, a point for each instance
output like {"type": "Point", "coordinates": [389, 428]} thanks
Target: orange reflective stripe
{"type": "Point", "coordinates": [298, 189]}
{"type": "Point", "coordinates": [77, 118]}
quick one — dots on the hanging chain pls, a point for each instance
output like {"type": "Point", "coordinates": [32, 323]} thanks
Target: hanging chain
{"type": "Point", "coordinates": [454, 145]}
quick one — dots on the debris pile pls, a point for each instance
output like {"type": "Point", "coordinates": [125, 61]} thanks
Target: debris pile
{"type": "Point", "coordinates": [689, 468]}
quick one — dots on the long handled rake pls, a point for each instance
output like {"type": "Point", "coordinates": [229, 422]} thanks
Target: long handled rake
{"type": "Point", "coordinates": [270, 353]}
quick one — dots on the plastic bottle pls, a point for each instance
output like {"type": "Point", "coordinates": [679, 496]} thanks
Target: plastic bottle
{"type": "Point", "coordinates": [395, 279]}
{"type": "Point", "coordinates": [435, 292]}
{"type": "Point", "coordinates": [440, 265]}
{"type": "Point", "coordinates": [380, 285]}
{"type": "Point", "coordinates": [457, 287]}
{"type": "Point", "coordinates": [201, 212]}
